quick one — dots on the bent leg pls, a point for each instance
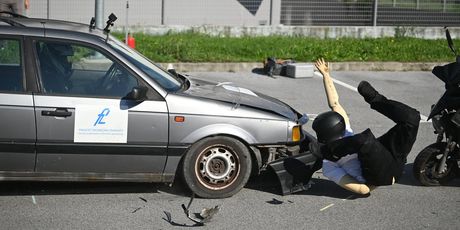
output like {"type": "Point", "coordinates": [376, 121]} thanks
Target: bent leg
{"type": "Point", "coordinates": [399, 139]}
{"type": "Point", "coordinates": [396, 111]}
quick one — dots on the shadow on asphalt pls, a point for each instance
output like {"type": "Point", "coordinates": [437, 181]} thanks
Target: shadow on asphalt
{"type": "Point", "coordinates": [259, 71]}
{"type": "Point", "coordinates": [178, 188]}
{"type": "Point", "coordinates": [268, 182]}
{"type": "Point", "coordinates": [409, 179]}
{"type": "Point", "coordinates": [265, 182]}
{"type": "Point", "coordinates": [66, 188]}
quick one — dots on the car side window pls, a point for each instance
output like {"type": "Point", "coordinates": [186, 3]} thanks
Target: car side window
{"type": "Point", "coordinates": [11, 74]}
{"type": "Point", "coordinates": [73, 69]}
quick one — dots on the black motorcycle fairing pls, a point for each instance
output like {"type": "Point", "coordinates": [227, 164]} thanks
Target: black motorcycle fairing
{"type": "Point", "coordinates": [449, 101]}
{"type": "Point", "coordinates": [450, 75]}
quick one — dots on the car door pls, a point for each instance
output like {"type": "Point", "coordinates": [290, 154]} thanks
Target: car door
{"type": "Point", "coordinates": [17, 119]}
{"type": "Point", "coordinates": [84, 124]}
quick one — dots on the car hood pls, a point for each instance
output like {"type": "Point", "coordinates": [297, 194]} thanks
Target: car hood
{"type": "Point", "coordinates": [239, 96]}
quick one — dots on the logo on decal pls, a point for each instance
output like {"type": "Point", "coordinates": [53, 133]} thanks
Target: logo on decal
{"type": "Point", "coordinates": [104, 113]}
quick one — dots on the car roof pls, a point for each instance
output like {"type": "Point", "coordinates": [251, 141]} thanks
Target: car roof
{"type": "Point", "coordinates": [49, 24]}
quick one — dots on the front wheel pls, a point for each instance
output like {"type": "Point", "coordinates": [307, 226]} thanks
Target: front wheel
{"type": "Point", "coordinates": [217, 167]}
{"type": "Point", "coordinates": [426, 165]}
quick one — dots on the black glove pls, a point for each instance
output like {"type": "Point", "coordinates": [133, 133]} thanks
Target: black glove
{"type": "Point", "coordinates": [318, 149]}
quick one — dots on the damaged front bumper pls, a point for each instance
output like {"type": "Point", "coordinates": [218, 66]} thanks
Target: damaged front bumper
{"type": "Point", "coordinates": [293, 165]}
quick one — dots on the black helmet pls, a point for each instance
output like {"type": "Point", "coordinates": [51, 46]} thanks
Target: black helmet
{"type": "Point", "coordinates": [329, 126]}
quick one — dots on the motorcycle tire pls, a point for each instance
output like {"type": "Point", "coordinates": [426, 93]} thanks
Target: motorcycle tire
{"type": "Point", "coordinates": [426, 164]}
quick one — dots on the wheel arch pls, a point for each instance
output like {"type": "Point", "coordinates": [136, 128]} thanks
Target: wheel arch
{"type": "Point", "coordinates": [220, 130]}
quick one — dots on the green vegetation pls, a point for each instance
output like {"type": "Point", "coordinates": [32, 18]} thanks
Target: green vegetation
{"type": "Point", "coordinates": [9, 52]}
{"type": "Point", "coordinates": [193, 47]}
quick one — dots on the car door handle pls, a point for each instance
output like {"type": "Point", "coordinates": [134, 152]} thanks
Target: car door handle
{"type": "Point", "coordinates": [57, 113]}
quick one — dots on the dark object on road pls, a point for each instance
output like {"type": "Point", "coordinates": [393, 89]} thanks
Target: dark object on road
{"type": "Point", "coordinates": [294, 173]}
{"type": "Point", "coordinates": [135, 210]}
{"type": "Point", "coordinates": [437, 164]}
{"type": "Point", "coordinates": [199, 219]}
{"type": "Point", "coordinates": [275, 201]}
{"type": "Point", "coordinates": [143, 199]}
{"type": "Point", "coordinates": [169, 219]}
{"type": "Point", "coordinates": [273, 66]}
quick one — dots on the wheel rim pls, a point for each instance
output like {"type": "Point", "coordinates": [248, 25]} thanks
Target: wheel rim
{"type": "Point", "coordinates": [431, 168]}
{"type": "Point", "coordinates": [217, 167]}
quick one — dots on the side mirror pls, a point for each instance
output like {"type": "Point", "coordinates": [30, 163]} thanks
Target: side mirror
{"type": "Point", "coordinates": [172, 71]}
{"type": "Point", "coordinates": [138, 93]}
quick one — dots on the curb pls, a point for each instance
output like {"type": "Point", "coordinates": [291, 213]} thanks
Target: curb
{"type": "Point", "coordinates": [335, 66]}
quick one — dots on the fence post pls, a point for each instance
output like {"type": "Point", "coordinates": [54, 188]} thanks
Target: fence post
{"type": "Point", "coordinates": [444, 6]}
{"type": "Point", "coordinates": [47, 9]}
{"type": "Point", "coordinates": [418, 4]}
{"type": "Point", "coordinates": [162, 12]}
{"type": "Point", "coordinates": [271, 13]}
{"type": "Point", "coordinates": [126, 22]}
{"type": "Point", "coordinates": [376, 2]}
{"type": "Point", "coordinates": [99, 14]}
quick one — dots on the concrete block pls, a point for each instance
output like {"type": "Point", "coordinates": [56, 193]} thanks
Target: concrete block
{"type": "Point", "coordinates": [299, 70]}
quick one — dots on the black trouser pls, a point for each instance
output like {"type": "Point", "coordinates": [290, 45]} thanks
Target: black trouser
{"type": "Point", "coordinates": [383, 158]}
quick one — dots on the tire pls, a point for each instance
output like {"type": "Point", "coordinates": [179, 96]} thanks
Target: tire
{"type": "Point", "coordinates": [216, 167]}
{"type": "Point", "coordinates": [426, 164]}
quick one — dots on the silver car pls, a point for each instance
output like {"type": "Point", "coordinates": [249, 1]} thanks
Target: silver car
{"type": "Point", "coordinates": [76, 104]}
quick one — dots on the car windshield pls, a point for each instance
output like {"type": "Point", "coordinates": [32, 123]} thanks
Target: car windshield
{"type": "Point", "coordinates": [162, 77]}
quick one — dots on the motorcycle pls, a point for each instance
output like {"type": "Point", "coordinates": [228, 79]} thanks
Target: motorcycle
{"type": "Point", "coordinates": [439, 162]}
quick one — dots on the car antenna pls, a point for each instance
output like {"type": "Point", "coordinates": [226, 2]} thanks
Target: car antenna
{"type": "Point", "coordinates": [112, 19]}
{"type": "Point", "coordinates": [92, 24]}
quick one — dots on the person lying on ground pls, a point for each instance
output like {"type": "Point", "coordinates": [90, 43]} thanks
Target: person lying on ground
{"type": "Point", "coordinates": [360, 162]}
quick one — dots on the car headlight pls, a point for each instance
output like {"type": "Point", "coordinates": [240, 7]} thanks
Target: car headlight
{"type": "Point", "coordinates": [296, 134]}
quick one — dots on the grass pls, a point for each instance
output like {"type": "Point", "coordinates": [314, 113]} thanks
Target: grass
{"type": "Point", "coordinates": [9, 52]}
{"type": "Point", "coordinates": [193, 47]}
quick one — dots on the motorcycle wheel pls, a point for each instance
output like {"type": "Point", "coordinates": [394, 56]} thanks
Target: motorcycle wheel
{"type": "Point", "coordinates": [426, 165]}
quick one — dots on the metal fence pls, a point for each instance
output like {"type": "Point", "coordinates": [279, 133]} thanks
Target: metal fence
{"type": "Point", "coordinates": [259, 12]}
{"type": "Point", "coordinates": [371, 12]}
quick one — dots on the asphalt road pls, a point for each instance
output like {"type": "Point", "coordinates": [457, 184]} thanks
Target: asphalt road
{"type": "Point", "coordinates": [405, 205]}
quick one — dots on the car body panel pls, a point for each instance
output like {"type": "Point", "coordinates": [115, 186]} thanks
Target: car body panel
{"type": "Point", "coordinates": [145, 150]}
{"type": "Point", "coordinates": [237, 95]}
{"type": "Point", "coordinates": [17, 136]}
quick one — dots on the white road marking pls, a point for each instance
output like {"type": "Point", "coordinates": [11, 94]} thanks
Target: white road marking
{"type": "Point", "coordinates": [326, 207]}
{"type": "Point", "coordinates": [350, 196]}
{"type": "Point", "coordinates": [33, 200]}
{"type": "Point", "coordinates": [345, 85]}
{"type": "Point", "coordinates": [424, 119]}
{"type": "Point", "coordinates": [330, 205]}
